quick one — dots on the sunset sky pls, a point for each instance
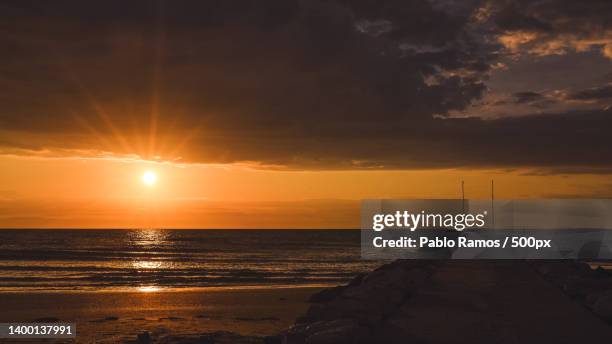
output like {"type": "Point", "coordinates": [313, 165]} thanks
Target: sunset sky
{"type": "Point", "coordinates": [285, 114]}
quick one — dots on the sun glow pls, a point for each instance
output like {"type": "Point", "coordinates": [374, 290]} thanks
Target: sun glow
{"type": "Point", "coordinates": [149, 178]}
{"type": "Point", "coordinates": [148, 289]}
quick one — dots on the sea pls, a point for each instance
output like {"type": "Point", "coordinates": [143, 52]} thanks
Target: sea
{"type": "Point", "coordinates": [158, 259]}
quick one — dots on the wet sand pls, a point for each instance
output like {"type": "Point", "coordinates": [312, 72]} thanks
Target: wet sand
{"type": "Point", "coordinates": [111, 317]}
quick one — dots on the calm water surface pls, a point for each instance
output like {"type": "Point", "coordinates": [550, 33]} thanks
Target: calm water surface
{"type": "Point", "coordinates": [44, 260]}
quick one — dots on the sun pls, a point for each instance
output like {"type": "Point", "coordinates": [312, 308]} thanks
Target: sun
{"type": "Point", "coordinates": [149, 178]}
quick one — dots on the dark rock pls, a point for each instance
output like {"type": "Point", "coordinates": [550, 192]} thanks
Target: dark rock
{"type": "Point", "coordinates": [143, 338]}
{"type": "Point", "coordinates": [352, 313]}
{"type": "Point", "coordinates": [603, 305]}
{"type": "Point", "coordinates": [577, 279]}
{"type": "Point", "coordinates": [378, 294]}
{"type": "Point", "coordinates": [302, 319]}
{"type": "Point", "coordinates": [591, 298]}
{"type": "Point", "coordinates": [344, 307]}
{"type": "Point", "coordinates": [294, 335]}
{"type": "Point", "coordinates": [339, 335]}
{"type": "Point", "coordinates": [554, 269]}
{"type": "Point", "coordinates": [576, 286]}
{"type": "Point", "coordinates": [323, 332]}
{"type": "Point", "coordinates": [356, 280]}
{"type": "Point", "coordinates": [600, 272]}
{"type": "Point", "coordinates": [326, 294]}
{"type": "Point", "coordinates": [273, 340]}
{"type": "Point", "coordinates": [314, 312]}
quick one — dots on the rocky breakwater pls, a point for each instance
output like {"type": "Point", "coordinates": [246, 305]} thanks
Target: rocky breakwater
{"type": "Point", "coordinates": [592, 287]}
{"type": "Point", "coordinates": [357, 312]}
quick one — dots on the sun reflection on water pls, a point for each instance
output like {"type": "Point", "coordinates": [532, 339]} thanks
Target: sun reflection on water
{"type": "Point", "coordinates": [149, 240]}
{"type": "Point", "coordinates": [148, 237]}
{"type": "Point", "coordinates": [147, 264]}
{"type": "Point", "coordinates": [148, 289]}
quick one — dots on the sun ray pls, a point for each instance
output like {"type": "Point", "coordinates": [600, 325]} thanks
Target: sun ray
{"type": "Point", "coordinates": [156, 83]}
{"type": "Point", "coordinates": [98, 109]}
{"type": "Point", "coordinates": [179, 147]}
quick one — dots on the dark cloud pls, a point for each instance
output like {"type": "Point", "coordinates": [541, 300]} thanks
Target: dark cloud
{"type": "Point", "coordinates": [544, 27]}
{"type": "Point", "coordinates": [228, 57]}
{"type": "Point", "coordinates": [512, 17]}
{"type": "Point", "coordinates": [303, 84]}
{"type": "Point", "coordinates": [527, 97]}
{"type": "Point", "coordinates": [595, 93]}
{"type": "Point", "coordinates": [531, 100]}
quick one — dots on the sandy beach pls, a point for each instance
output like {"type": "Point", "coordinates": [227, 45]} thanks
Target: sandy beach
{"type": "Point", "coordinates": [111, 317]}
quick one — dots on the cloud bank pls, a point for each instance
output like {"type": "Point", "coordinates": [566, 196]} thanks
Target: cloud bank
{"type": "Point", "coordinates": [300, 84]}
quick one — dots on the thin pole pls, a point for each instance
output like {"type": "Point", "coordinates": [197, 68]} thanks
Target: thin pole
{"type": "Point", "coordinates": [462, 197]}
{"type": "Point", "coordinates": [492, 202]}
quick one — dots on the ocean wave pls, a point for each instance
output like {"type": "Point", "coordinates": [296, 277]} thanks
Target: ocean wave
{"type": "Point", "coordinates": [107, 259]}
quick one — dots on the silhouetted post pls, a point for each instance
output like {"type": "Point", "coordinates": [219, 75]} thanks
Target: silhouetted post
{"type": "Point", "coordinates": [493, 203]}
{"type": "Point", "coordinates": [462, 198]}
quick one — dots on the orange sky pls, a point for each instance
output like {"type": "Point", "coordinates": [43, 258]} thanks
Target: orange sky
{"type": "Point", "coordinates": [77, 192]}
{"type": "Point", "coordinates": [285, 114]}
